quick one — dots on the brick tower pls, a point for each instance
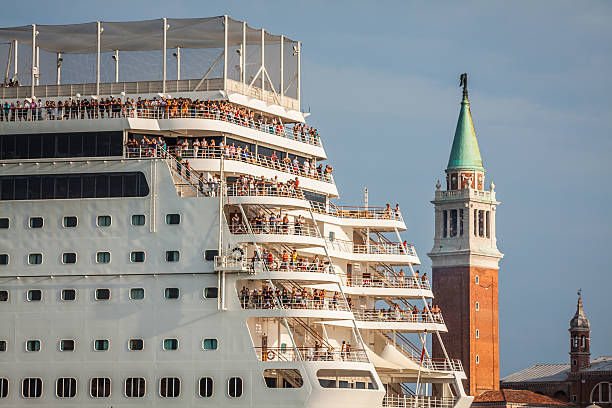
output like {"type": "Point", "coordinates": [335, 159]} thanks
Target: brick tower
{"type": "Point", "coordinates": [580, 338]}
{"type": "Point", "coordinates": [465, 260]}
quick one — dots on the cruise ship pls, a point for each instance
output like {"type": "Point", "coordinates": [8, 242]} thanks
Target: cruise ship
{"type": "Point", "coordinates": [170, 233]}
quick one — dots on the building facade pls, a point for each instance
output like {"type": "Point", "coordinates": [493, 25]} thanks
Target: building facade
{"type": "Point", "coordinates": [465, 260]}
{"type": "Point", "coordinates": [582, 382]}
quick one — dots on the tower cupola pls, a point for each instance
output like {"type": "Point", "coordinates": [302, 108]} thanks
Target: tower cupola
{"type": "Point", "coordinates": [465, 169]}
{"type": "Point", "coordinates": [580, 338]}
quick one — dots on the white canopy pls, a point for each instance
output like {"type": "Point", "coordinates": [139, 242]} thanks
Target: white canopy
{"type": "Point", "coordinates": [143, 35]}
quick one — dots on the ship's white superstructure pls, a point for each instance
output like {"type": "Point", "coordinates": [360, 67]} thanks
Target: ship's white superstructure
{"type": "Point", "coordinates": [174, 241]}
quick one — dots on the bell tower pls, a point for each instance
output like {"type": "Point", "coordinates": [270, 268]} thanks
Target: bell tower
{"type": "Point", "coordinates": [580, 338]}
{"type": "Point", "coordinates": [465, 259]}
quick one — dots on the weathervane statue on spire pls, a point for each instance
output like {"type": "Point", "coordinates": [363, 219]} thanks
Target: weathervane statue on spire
{"type": "Point", "coordinates": [463, 83]}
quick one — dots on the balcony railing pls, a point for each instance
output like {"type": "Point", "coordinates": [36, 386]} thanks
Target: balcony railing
{"type": "Point", "coordinates": [408, 282]}
{"type": "Point", "coordinates": [277, 229]}
{"type": "Point", "coordinates": [379, 248]}
{"type": "Point", "coordinates": [397, 315]}
{"type": "Point", "coordinates": [417, 401]}
{"type": "Point", "coordinates": [374, 213]}
{"type": "Point", "coordinates": [263, 189]}
{"type": "Point", "coordinates": [465, 193]}
{"type": "Point", "coordinates": [310, 354]}
{"type": "Point", "coordinates": [293, 302]}
{"type": "Point", "coordinates": [298, 266]}
{"type": "Point", "coordinates": [138, 152]}
{"type": "Point", "coordinates": [25, 113]}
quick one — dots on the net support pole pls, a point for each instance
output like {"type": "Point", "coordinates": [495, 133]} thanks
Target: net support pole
{"type": "Point", "coordinates": [263, 64]}
{"type": "Point", "coordinates": [178, 63]}
{"type": "Point", "coordinates": [58, 75]}
{"type": "Point", "coordinates": [165, 30]}
{"type": "Point", "coordinates": [116, 65]}
{"type": "Point", "coordinates": [99, 31]}
{"type": "Point", "coordinates": [243, 56]}
{"type": "Point", "coordinates": [299, 74]}
{"type": "Point", "coordinates": [225, 41]}
{"type": "Point", "coordinates": [33, 58]}
{"type": "Point", "coordinates": [282, 68]}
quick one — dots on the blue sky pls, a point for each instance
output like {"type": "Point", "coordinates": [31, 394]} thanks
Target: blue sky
{"type": "Point", "coordinates": [380, 79]}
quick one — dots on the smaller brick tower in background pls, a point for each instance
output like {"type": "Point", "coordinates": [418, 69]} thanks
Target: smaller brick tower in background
{"type": "Point", "coordinates": [580, 339]}
{"type": "Point", "coordinates": [465, 260]}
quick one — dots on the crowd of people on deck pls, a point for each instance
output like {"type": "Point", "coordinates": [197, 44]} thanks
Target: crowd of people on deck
{"type": "Point", "coordinates": [270, 224]}
{"type": "Point", "coordinates": [293, 298]}
{"type": "Point", "coordinates": [211, 150]}
{"type": "Point", "coordinates": [410, 314]}
{"type": "Point", "coordinates": [156, 108]}
{"type": "Point", "coordinates": [251, 186]}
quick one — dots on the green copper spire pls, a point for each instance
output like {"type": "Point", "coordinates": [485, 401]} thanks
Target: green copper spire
{"type": "Point", "coordinates": [465, 154]}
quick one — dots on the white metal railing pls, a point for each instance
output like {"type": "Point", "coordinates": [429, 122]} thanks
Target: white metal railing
{"type": "Point", "coordinates": [377, 213]}
{"type": "Point", "coordinates": [293, 301]}
{"type": "Point", "coordinates": [115, 111]}
{"type": "Point", "coordinates": [389, 281]}
{"type": "Point", "coordinates": [397, 315]}
{"type": "Point", "coordinates": [278, 228]}
{"type": "Point", "coordinates": [216, 152]}
{"type": "Point", "coordinates": [260, 188]}
{"type": "Point", "coordinates": [298, 266]}
{"type": "Point", "coordinates": [310, 354]}
{"type": "Point", "coordinates": [417, 401]}
{"type": "Point", "coordinates": [379, 248]}
{"type": "Point", "coordinates": [436, 364]}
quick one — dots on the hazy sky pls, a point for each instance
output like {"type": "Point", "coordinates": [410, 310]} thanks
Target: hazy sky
{"type": "Point", "coordinates": [381, 81]}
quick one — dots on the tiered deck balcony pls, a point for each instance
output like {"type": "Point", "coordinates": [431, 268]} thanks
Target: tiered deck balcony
{"type": "Point", "coordinates": [391, 286]}
{"type": "Point", "coordinates": [378, 218]}
{"type": "Point", "coordinates": [298, 236]}
{"type": "Point", "coordinates": [326, 308]}
{"type": "Point", "coordinates": [275, 354]}
{"type": "Point", "coordinates": [393, 253]}
{"type": "Point", "coordinates": [401, 320]}
{"type": "Point", "coordinates": [266, 194]}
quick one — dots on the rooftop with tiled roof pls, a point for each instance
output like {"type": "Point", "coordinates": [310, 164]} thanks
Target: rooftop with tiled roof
{"type": "Point", "coordinates": [516, 397]}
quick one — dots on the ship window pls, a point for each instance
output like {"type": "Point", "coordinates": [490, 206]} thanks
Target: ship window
{"type": "Point", "coordinates": [36, 222]}
{"type": "Point", "coordinates": [477, 333]}
{"type": "Point", "coordinates": [173, 219]}
{"type": "Point", "coordinates": [35, 259]}
{"type": "Point", "coordinates": [210, 344]}
{"type": "Point", "coordinates": [172, 256]}
{"type": "Point", "coordinates": [477, 359]}
{"type": "Point", "coordinates": [68, 295]}
{"type": "Point", "coordinates": [234, 387]}
{"type": "Point", "coordinates": [31, 387]}
{"type": "Point", "coordinates": [34, 295]}
{"type": "Point", "coordinates": [33, 345]}
{"type": "Point", "coordinates": [171, 344]}
{"type": "Point", "coordinates": [172, 293]}
{"type": "Point", "coordinates": [66, 387]}
{"type": "Point", "coordinates": [206, 387]}
{"type": "Point", "coordinates": [101, 345]}
{"type": "Point", "coordinates": [477, 306]}
{"type": "Point", "coordinates": [329, 378]}
{"type": "Point", "coordinates": [2, 345]}
{"type": "Point", "coordinates": [104, 221]}
{"type": "Point", "coordinates": [67, 345]}
{"type": "Point", "coordinates": [5, 223]}
{"type": "Point", "coordinates": [4, 387]}
{"type": "Point", "coordinates": [69, 257]}
{"type": "Point", "coordinates": [137, 293]}
{"type": "Point", "coordinates": [137, 256]}
{"type": "Point", "coordinates": [211, 293]}
{"type": "Point", "coordinates": [100, 387]}
{"type": "Point", "coordinates": [4, 295]}
{"type": "Point", "coordinates": [103, 257]}
{"type": "Point", "coordinates": [138, 219]}
{"type": "Point", "coordinates": [135, 387]}
{"type": "Point", "coordinates": [285, 378]}
{"type": "Point", "coordinates": [136, 344]}
{"type": "Point", "coordinates": [169, 387]}
{"type": "Point", "coordinates": [103, 294]}
{"type": "Point", "coordinates": [70, 222]}
{"type": "Point", "coordinates": [4, 259]}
